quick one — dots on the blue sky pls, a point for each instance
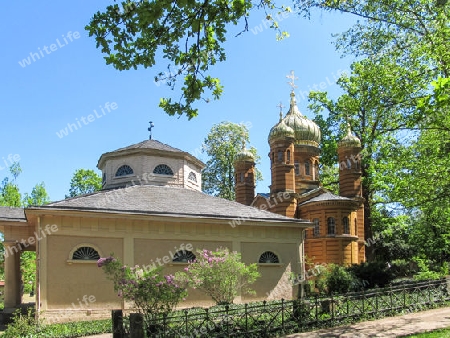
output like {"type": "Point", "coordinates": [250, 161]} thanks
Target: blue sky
{"type": "Point", "coordinates": [41, 97]}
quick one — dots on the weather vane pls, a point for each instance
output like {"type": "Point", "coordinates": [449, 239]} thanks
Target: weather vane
{"type": "Point", "coordinates": [150, 129]}
{"type": "Point", "coordinates": [292, 77]}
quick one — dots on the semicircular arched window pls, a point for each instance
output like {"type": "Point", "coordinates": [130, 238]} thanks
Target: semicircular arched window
{"type": "Point", "coordinates": [268, 257]}
{"type": "Point", "coordinates": [163, 169]}
{"type": "Point", "coordinates": [183, 256]}
{"type": "Point", "coordinates": [86, 253]}
{"type": "Point", "coordinates": [124, 170]}
{"type": "Point", "coordinates": [192, 177]}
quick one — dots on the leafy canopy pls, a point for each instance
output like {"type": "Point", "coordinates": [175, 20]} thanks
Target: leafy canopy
{"type": "Point", "coordinates": [188, 33]}
{"type": "Point", "coordinates": [84, 181]}
{"type": "Point", "coordinates": [222, 144]}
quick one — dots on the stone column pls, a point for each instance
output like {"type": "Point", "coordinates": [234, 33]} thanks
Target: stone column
{"type": "Point", "coordinates": [13, 295]}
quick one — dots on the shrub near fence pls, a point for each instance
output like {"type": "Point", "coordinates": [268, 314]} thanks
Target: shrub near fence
{"type": "Point", "coordinates": [275, 318]}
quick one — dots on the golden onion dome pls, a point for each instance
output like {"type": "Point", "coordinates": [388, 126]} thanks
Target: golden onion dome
{"type": "Point", "coordinates": [281, 130]}
{"type": "Point", "coordinates": [349, 140]}
{"type": "Point", "coordinates": [244, 155]}
{"type": "Point", "coordinates": [306, 131]}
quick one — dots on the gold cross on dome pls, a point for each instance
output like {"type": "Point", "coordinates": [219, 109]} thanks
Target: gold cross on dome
{"type": "Point", "coordinates": [280, 105]}
{"type": "Point", "coordinates": [292, 77]}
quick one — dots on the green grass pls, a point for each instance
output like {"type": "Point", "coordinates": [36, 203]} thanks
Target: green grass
{"type": "Point", "coordinates": [443, 333]}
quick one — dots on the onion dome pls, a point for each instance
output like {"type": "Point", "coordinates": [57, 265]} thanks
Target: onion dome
{"type": "Point", "coordinates": [306, 131]}
{"type": "Point", "coordinates": [244, 155]}
{"type": "Point", "coordinates": [350, 140]}
{"type": "Point", "coordinates": [281, 130]}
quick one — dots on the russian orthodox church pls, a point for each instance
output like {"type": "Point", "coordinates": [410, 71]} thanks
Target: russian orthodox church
{"type": "Point", "coordinates": [296, 191]}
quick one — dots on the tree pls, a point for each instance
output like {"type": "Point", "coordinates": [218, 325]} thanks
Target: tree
{"type": "Point", "coordinates": [11, 196]}
{"type": "Point", "coordinates": [84, 181]}
{"type": "Point", "coordinates": [379, 103]}
{"type": "Point", "coordinates": [38, 196]}
{"type": "Point", "coordinates": [190, 34]}
{"type": "Point", "coordinates": [9, 190]}
{"type": "Point", "coordinates": [220, 274]}
{"type": "Point", "coordinates": [222, 144]}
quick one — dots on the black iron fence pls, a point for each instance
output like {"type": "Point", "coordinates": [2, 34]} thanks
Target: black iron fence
{"type": "Point", "coordinates": [276, 318]}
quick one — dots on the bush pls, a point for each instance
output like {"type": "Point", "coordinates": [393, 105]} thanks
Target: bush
{"type": "Point", "coordinates": [152, 293]}
{"type": "Point", "coordinates": [339, 279]}
{"type": "Point", "coordinates": [23, 325]}
{"type": "Point", "coordinates": [372, 274]}
{"type": "Point", "coordinates": [26, 326]}
{"type": "Point", "coordinates": [403, 268]}
{"type": "Point", "coordinates": [220, 274]}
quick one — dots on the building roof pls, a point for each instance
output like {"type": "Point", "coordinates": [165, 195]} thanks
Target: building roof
{"type": "Point", "coordinates": [149, 147]}
{"type": "Point", "coordinates": [327, 196]}
{"type": "Point", "coordinates": [166, 201]}
{"type": "Point", "coordinates": [150, 144]}
{"type": "Point", "coordinates": [12, 214]}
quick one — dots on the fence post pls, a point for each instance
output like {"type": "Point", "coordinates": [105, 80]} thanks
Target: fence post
{"type": "Point", "coordinates": [136, 325]}
{"type": "Point", "coordinates": [117, 323]}
{"type": "Point", "coordinates": [228, 322]}
{"type": "Point", "coordinates": [246, 317]}
{"type": "Point", "coordinates": [186, 322]}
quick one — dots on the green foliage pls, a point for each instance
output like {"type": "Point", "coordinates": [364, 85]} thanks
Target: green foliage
{"type": "Point", "coordinates": [152, 293]}
{"type": "Point", "coordinates": [84, 181]}
{"type": "Point", "coordinates": [38, 196]}
{"type": "Point", "coordinates": [28, 270]}
{"type": "Point", "coordinates": [428, 270]}
{"type": "Point", "coordinates": [9, 190]}
{"type": "Point", "coordinates": [26, 326]}
{"type": "Point", "coordinates": [339, 279]}
{"type": "Point", "coordinates": [222, 144]}
{"type": "Point", "coordinates": [372, 274]}
{"type": "Point", "coordinates": [220, 274]}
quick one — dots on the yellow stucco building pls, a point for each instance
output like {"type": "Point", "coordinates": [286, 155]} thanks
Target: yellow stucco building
{"type": "Point", "coordinates": [151, 211]}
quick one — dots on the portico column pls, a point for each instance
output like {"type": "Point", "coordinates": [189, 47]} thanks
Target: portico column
{"type": "Point", "coordinates": [13, 297]}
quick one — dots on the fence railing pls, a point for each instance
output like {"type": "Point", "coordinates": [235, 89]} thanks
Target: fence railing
{"type": "Point", "coordinates": [275, 318]}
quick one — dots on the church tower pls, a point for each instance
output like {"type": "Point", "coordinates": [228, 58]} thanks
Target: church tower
{"type": "Point", "coordinates": [281, 140]}
{"type": "Point", "coordinates": [244, 173]}
{"type": "Point", "coordinates": [349, 154]}
{"type": "Point", "coordinates": [306, 153]}
{"type": "Point", "coordinates": [350, 186]}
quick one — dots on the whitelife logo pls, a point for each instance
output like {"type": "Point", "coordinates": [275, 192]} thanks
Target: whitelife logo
{"type": "Point", "coordinates": [49, 49]}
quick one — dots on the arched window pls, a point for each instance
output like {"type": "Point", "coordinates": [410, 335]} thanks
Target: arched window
{"type": "Point", "coordinates": [192, 177]}
{"type": "Point", "coordinates": [103, 179]}
{"type": "Point", "coordinates": [86, 253]}
{"type": "Point", "coordinates": [356, 228]}
{"type": "Point", "coordinates": [331, 226]}
{"type": "Point", "coordinates": [316, 171]}
{"type": "Point", "coordinates": [242, 177]}
{"type": "Point", "coordinates": [316, 227]}
{"type": "Point", "coordinates": [268, 257]}
{"type": "Point", "coordinates": [349, 164]}
{"type": "Point", "coordinates": [288, 155]}
{"type": "Point", "coordinates": [183, 256]}
{"type": "Point", "coordinates": [163, 169]}
{"type": "Point", "coordinates": [307, 168]}
{"type": "Point", "coordinates": [280, 156]}
{"type": "Point", "coordinates": [297, 168]}
{"type": "Point", "coordinates": [346, 226]}
{"type": "Point", "coordinates": [124, 170]}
